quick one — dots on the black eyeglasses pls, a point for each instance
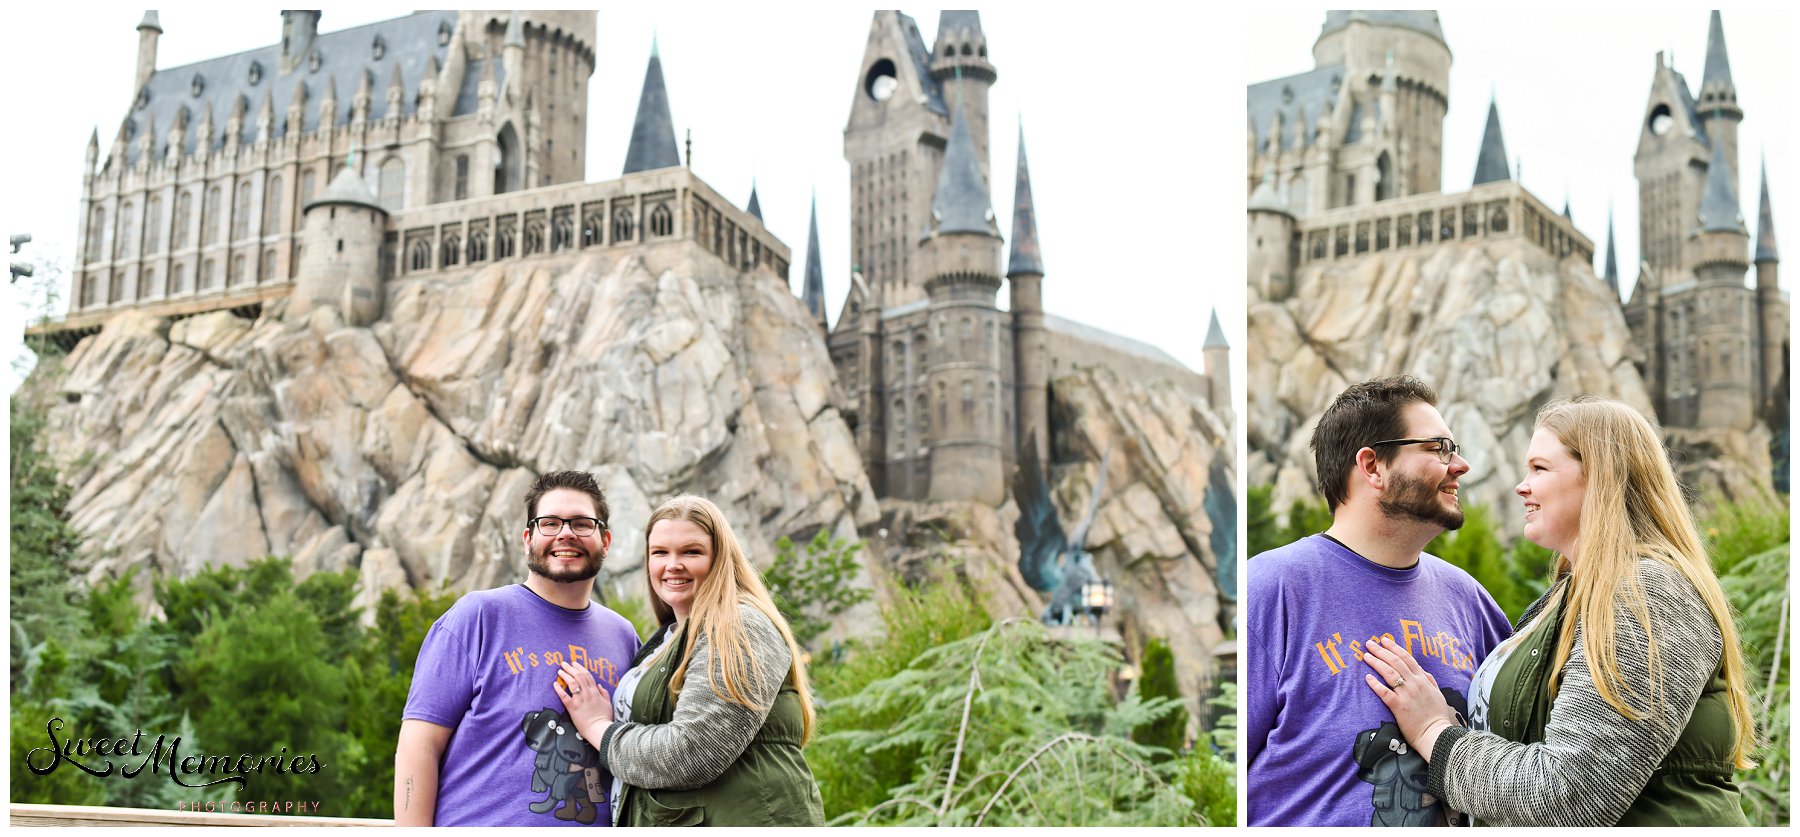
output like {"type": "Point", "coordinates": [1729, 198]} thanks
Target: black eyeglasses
{"type": "Point", "coordinates": [580, 527]}
{"type": "Point", "coordinates": [1446, 449]}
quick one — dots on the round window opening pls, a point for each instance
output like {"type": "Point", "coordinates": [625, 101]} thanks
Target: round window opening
{"type": "Point", "coordinates": [880, 83]}
{"type": "Point", "coordinates": [1661, 120]}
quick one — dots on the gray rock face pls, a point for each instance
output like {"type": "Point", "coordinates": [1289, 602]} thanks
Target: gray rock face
{"type": "Point", "coordinates": [405, 449]}
{"type": "Point", "coordinates": [1498, 328]}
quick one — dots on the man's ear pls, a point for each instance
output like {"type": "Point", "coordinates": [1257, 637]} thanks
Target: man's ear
{"type": "Point", "coordinates": [1368, 470]}
{"type": "Point", "coordinates": [527, 536]}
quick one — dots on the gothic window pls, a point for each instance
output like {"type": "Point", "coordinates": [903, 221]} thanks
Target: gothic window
{"type": "Point", "coordinates": [1447, 225]}
{"type": "Point", "coordinates": [1471, 221]}
{"type": "Point", "coordinates": [563, 235]}
{"type": "Point", "coordinates": [153, 226]}
{"type": "Point", "coordinates": [115, 287]}
{"type": "Point", "coordinates": [968, 404]}
{"type": "Point", "coordinates": [392, 193]}
{"type": "Point", "coordinates": [236, 276]}
{"type": "Point", "coordinates": [209, 216]}
{"type": "Point", "coordinates": [1425, 227]}
{"type": "Point", "coordinates": [88, 283]}
{"type": "Point", "coordinates": [1342, 247]}
{"type": "Point", "coordinates": [897, 358]}
{"type": "Point", "coordinates": [462, 177]}
{"type": "Point", "coordinates": [272, 206]}
{"type": "Point", "coordinates": [534, 238]}
{"type": "Point", "coordinates": [419, 257]}
{"type": "Point", "coordinates": [96, 234]}
{"type": "Point", "coordinates": [145, 280]}
{"type": "Point", "coordinates": [503, 243]}
{"type": "Point", "coordinates": [1403, 231]}
{"type": "Point", "coordinates": [622, 225]}
{"type": "Point", "coordinates": [590, 229]}
{"type": "Point", "coordinates": [943, 405]}
{"type": "Point", "coordinates": [478, 248]}
{"type": "Point", "coordinates": [1362, 237]}
{"type": "Point", "coordinates": [178, 285]}
{"type": "Point", "coordinates": [1497, 218]}
{"type": "Point", "coordinates": [1318, 246]}
{"type": "Point", "coordinates": [966, 50]}
{"type": "Point", "coordinates": [452, 250]}
{"type": "Point", "coordinates": [268, 266]}
{"type": "Point", "coordinates": [240, 217]}
{"type": "Point", "coordinates": [184, 214]}
{"type": "Point", "coordinates": [662, 223]}
{"type": "Point", "coordinates": [1382, 236]}
{"type": "Point", "coordinates": [921, 410]}
{"type": "Point", "coordinates": [127, 226]}
{"type": "Point", "coordinates": [306, 188]}
{"type": "Point", "coordinates": [209, 275]}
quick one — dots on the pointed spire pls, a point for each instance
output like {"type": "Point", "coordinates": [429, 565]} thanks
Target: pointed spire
{"type": "Point", "coordinates": [755, 206]}
{"type": "Point", "coordinates": [1566, 207]}
{"type": "Point", "coordinates": [653, 133]}
{"type": "Point", "coordinates": [1718, 201]}
{"type": "Point", "coordinates": [1612, 255]}
{"type": "Point", "coordinates": [1215, 336]}
{"type": "Point", "coordinates": [1765, 224]}
{"type": "Point", "coordinates": [299, 97]}
{"type": "Point", "coordinates": [515, 31]}
{"type": "Point", "coordinates": [94, 141]}
{"type": "Point", "coordinates": [150, 21]}
{"type": "Point", "coordinates": [813, 293]}
{"type": "Point", "coordinates": [1490, 166]}
{"type": "Point", "coordinates": [1718, 65]}
{"type": "Point", "coordinates": [961, 201]}
{"type": "Point", "coordinates": [395, 80]}
{"type": "Point", "coordinates": [1025, 258]}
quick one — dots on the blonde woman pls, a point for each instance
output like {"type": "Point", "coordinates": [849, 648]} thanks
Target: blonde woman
{"type": "Point", "coordinates": [1621, 699]}
{"type": "Point", "coordinates": [707, 727]}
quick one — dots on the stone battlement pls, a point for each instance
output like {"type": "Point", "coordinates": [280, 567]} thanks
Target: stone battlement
{"type": "Point", "coordinates": [1491, 210]}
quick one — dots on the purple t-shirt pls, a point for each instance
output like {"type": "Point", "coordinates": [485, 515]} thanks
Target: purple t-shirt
{"type": "Point", "coordinates": [1321, 748]}
{"type": "Point", "coordinates": [485, 670]}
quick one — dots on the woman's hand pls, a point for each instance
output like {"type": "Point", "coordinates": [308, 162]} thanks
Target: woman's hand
{"type": "Point", "coordinates": [1410, 692]}
{"type": "Point", "coordinates": [589, 706]}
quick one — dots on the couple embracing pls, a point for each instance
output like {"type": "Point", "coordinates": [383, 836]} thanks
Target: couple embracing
{"type": "Point", "coordinates": [1385, 687]}
{"type": "Point", "coordinates": [533, 705]}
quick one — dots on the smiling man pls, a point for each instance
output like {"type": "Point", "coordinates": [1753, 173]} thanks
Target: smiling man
{"type": "Point", "coordinates": [484, 740]}
{"type": "Point", "coordinates": [1321, 748]}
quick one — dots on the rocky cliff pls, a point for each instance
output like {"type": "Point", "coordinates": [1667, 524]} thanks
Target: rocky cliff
{"type": "Point", "coordinates": [1499, 328]}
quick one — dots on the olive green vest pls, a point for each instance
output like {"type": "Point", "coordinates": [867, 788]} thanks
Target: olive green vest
{"type": "Point", "coordinates": [769, 784]}
{"type": "Point", "coordinates": [1692, 785]}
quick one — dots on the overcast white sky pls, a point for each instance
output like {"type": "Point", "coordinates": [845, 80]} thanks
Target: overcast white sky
{"type": "Point", "coordinates": [1572, 85]}
{"type": "Point", "coordinates": [1120, 146]}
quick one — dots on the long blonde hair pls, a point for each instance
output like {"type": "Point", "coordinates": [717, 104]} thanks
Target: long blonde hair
{"type": "Point", "coordinates": [1632, 509]}
{"type": "Point", "coordinates": [731, 581]}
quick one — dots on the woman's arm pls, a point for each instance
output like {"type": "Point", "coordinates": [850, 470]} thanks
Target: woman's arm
{"type": "Point", "coordinates": [1593, 761]}
{"type": "Point", "coordinates": [708, 732]}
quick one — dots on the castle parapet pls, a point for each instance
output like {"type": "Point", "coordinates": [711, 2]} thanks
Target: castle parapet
{"type": "Point", "coordinates": [1502, 209]}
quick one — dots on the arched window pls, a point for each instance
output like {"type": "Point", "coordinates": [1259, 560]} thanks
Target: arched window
{"type": "Point", "coordinates": [943, 399]}
{"type": "Point", "coordinates": [662, 223]}
{"type": "Point", "coordinates": [622, 225]}
{"type": "Point", "coordinates": [392, 194]}
{"type": "Point", "coordinates": [462, 176]}
{"type": "Point", "coordinates": [115, 287]}
{"type": "Point", "coordinates": [236, 276]}
{"type": "Point", "coordinates": [503, 244]}
{"type": "Point", "coordinates": [451, 250]}
{"type": "Point", "coordinates": [590, 229]}
{"type": "Point", "coordinates": [209, 217]}
{"type": "Point", "coordinates": [563, 235]}
{"type": "Point", "coordinates": [88, 284]}
{"type": "Point", "coordinates": [127, 227]}
{"type": "Point", "coordinates": [419, 255]}
{"type": "Point", "coordinates": [923, 411]}
{"type": "Point", "coordinates": [898, 358]}
{"type": "Point", "coordinates": [272, 206]}
{"type": "Point", "coordinates": [306, 188]}
{"type": "Point", "coordinates": [184, 217]}
{"type": "Point", "coordinates": [968, 404]}
{"type": "Point", "coordinates": [534, 238]}
{"type": "Point", "coordinates": [179, 283]}
{"type": "Point", "coordinates": [508, 173]}
{"type": "Point", "coordinates": [240, 216]}
{"type": "Point", "coordinates": [478, 247]}
{"type": "Point", "coordinates": [268, 266]}
{"type": "Point", "coordinates": [146, 280]}
{"type": "Point", "coordinates": [153, 226]}
{"type": "Point", "coordinates": [96, 234]}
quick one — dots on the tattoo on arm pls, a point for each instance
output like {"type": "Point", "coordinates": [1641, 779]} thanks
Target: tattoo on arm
{"type": "Point", "coordinates": [409, 786]}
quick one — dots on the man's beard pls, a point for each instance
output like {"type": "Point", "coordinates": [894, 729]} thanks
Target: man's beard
{"type": "Point", "coordinates": [1417, 499]}
{"type": "Point", "coordinates": [538, 560]}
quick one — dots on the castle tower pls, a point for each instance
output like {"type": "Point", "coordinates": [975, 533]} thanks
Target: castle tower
{"type": "Point", "coordinates": [653, 132]}
{"type": "Point", "coordinates": [1719, 249]}
{"type": "Point", "coordinates": [1025, 281]}
{"type": "Point", "coordinates": [1490, 164]}
{"type": "Point", "coordinates": [962, 374]}
{"type": "Point", "coordinates": [1772, 310]}
{"type": "Point", "coordinates": [1218, 365]}
{"type": "Point", "coordinates": [959, 64]}
{"type": "Point", "coordinates": [1270, 247]}
{"type": "Point", "coordinates": [341, 263]}
{"type": "Point", "coordinates": [1360, 43]}
{"type": "Point", "coordinates": [894, 141]}
{"type": "Point", "coordinates": [149, 29]}
{"type": "Point", "coordinates": [298, 29]}
{"type": "Point", "coordinates": [813, 293]}
{"type": "Point", "coordinates": [1670, 164]}
{"type": "Point", "coordinates": [1718, 105]}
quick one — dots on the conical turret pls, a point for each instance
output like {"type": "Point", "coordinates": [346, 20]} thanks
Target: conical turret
{"type": "Point", "coordinates": [755, 206]}
{"type": "Point", "coordinates": [653, 133]}
{"type": "Point", "coordinates": [396, 93]}
{"type": "Point", "coordinates": [1025, 257]}
{"type": "Point", "coordinates": [1719, 211]}
{"type": "Point", "coordinates": [1612, 257]}
{"type": "Point", "coordinates": [149, 29]}
{"type": "Point", "coordinates": [960, 203]}
{"type": "Point", "coordinates": [1765, 224]}
{"type": "Point", "coordinates": [1490, 165]}
{"type": "Point", "coordinates": [813, 293]}
{"type": "Point", "coordinates": [1718, 64]}
{"type": "Point", "coordinates": [1718, 104]}
{"type": "Point", "coordinates": [1218, 364]}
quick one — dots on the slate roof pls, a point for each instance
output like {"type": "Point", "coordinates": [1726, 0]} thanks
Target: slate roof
{"type": "Point", "coordinates": [1612, 257]}
{"type": "Point", "coordinates": [1215, 336]}
{"type": "Point", "coordinates": [755, 206]}
{"type": "Point", "coordinates": [1718, 201]}
{"type": "Point", "coordinates": [1718, 64]}
{"type": "Point", "coordinates": [1425, 21]}
{"type": "Point", "coordinates": [1025, 257]}
{"type": "Point", "coordinates": [347, 187]}
{"type": "Point", "coordinates": [411, 42]}
{"type": "Point", "coordinates": [1110, 340]}
{"type": "Point", "coordinates": [1490, 164]}
{"type": "Point", "coordinates": [1301, 100]}
{"type": "Point", "coordinates": [653, 131]}
{"type": "Point", "coordinates": [813, 292]}
{"type": "Point", "coordinates": [1267, 198]}
{"type": "Point", "coordinates": [960, 203]}
{"type": "Point", "coordinates": [950, 20]}
{"type": "Point", "coordinates": [921, 61]}
{"type": "Point", "coordinates": [1692, 108]}
{"type": "Point", "coordinates": [1765, 225]}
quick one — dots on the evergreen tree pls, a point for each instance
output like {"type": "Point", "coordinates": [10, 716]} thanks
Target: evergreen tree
{"type": "Point", "coordinates": [1158, 681]}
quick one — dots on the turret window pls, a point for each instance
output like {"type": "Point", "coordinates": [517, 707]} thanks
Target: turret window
{"type": "Point", "coordinates": [534, 238]}
{"type": "Point", "coordinates": [562, 235]}
{"type": "Point", "coordinates": [504, 246]}
{"type": "Point", "coordinates": [662, 222]}
{"type": "Point", "coordinates": [419, 255]}
{"type": "Point", "coordinates": [622, 228]}
{"type": "Point", "coordinates": [478, 247]}
{"type": "Point", "coordinates": [452, 250]}
{"type": "Point", "coordinates": [590, 229]}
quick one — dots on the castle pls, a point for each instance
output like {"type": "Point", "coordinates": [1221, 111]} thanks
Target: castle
{"type": "Point", "coordinates": [463, 144]}
{"type": "Point", "coordinates": [1346, 159]}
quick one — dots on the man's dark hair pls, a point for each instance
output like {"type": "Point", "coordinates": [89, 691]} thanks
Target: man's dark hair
{"type": "Point", "coordinates": [1361, 415]}
{"type": "Point", "coordinates": [581, 481]}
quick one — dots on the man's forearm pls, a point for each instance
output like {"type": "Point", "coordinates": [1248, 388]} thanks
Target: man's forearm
{"type": "Point", "coordinates": [415, 788]}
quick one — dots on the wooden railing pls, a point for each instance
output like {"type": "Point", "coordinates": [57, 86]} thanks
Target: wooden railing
{"type": "Point", "coordinates": [93, 815]}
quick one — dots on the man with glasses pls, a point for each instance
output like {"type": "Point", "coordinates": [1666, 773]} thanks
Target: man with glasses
{"type": "Point", "coordinates": [1321, 748]}
{"type": "Point", "coordinates": [484, 740]}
